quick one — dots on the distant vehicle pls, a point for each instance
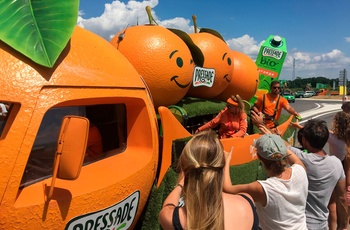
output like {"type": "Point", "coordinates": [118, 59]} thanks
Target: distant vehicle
{"type": "Point", "coordinates": [288, 96]}
{"type": "Point", "coordinates": [309, 93]}
{"type": "Point", "coordinates": [313, 93]}
{"type": "Point", "coordinates": [299, 94]}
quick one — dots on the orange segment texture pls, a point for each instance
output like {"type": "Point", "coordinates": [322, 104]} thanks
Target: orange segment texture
{"type": "Point", "coordinates": [217, 55]}
{"type": "Point", "coordinates": [245, 78]}
{"type": "Point", "coordinates": [161, 58]}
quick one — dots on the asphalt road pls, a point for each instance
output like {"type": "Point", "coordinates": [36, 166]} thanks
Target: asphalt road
{"type": "Point", "coordinates": [316, 108]}
{"type": "Point", "coordinates": [312, 108]}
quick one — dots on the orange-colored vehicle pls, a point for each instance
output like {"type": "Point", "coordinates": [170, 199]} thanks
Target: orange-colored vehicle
{"type": "Point", "coordinates": [108, 191]}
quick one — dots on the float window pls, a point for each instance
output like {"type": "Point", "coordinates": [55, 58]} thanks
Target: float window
{"type": "Point", "coordinates": [5, 109]}
{"type": "Point", "coordinates": [107, 137]}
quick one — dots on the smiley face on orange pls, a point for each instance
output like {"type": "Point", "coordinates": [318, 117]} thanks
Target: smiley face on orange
{"type": "Point", "coordinates": [245, 79]}
{"type": "Point", "coordinates": [217, 68]}
{"type": "Point", "coordinates": [161, 58]}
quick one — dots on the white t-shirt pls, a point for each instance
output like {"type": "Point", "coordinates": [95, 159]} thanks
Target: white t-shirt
{"type": "Point", "coordinates": [336, 147]}
{"type": "Point", "coordinates": [286, 201]}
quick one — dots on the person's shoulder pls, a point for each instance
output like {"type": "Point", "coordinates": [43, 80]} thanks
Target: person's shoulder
{"type": "Point", "coordinates": [334, 159]}
{"type": "Point", "coordinates": [283, 100]}
{"type": "Point", "coordinates": [296, 150]}
{"type": "Point", "coordinates": [298, 167]}
{"type": "Point", "coordinates": [242, 200]}
{"type": "Point", "coordinates": [237, 198]}
{"type": "Point", "coordinates": [239, 210]}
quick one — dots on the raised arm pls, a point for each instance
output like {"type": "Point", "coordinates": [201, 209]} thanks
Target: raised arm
{"type": "Point", "coordinates": [291, 110]}
{"type": "Point", "coordinates": [254, 189]}
{"type": "Point", "coordinates": [294, 159]}
{"type": "Point", "coordinates": [211, 124]}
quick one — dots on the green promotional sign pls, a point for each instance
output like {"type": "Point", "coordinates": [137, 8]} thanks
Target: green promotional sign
{"type": "Point", "coordinates": [270, 61]}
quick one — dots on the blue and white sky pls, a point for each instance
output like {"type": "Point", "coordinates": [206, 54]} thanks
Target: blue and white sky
{"type": "Point", "coordinates": [317, 32]}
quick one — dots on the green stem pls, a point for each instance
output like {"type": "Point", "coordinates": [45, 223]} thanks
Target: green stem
{"type": "Point", "coordinates": [149, 13]}
{"type": "Point", "coordinates": [194, 18]}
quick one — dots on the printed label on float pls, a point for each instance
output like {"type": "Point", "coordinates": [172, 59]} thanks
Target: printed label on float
{"type": "Point", "coordinates": [118, 216]}
{"type": "Point", "coordinates": [203, 77]}
{"type": "Point", "coordinates": [269, 52]}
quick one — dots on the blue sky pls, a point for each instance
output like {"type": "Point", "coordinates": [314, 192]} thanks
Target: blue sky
{"type": "Point", "coordinates": [317, 32]}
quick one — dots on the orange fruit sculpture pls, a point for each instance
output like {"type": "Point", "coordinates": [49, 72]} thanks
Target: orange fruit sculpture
{"type": "Point", "coordinates": [245, 78]}
{"type": "Point", "coordinates": [217, 58]}
{"type": "Point", "coordinates": [161, 58]}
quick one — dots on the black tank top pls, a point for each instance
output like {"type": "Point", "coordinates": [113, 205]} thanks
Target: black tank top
{"type": "Point", "coordinates": [176, 219]}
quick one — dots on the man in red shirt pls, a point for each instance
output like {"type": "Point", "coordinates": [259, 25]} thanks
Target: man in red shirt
{"type": "Point", "coordinates": [271, 105]}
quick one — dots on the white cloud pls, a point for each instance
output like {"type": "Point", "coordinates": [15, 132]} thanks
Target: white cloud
{"type": "Point", "coordinates": [178, 23]}
{"type": "Point", "coordinates": [245, 44]}
{"type": "Point", "coordinates": [347, 39]}
{"type": "Point", "coordinates": [116, 17]}
{"type": "Point", "coordinates": [314, 65]}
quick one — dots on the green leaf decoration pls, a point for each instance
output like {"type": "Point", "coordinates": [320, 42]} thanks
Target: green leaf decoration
{"type": "Point", "coordinates": [211, 31]}
{"type": "Point", "coordinates": [196, 52]}
{"type": "Point", "coordinates": [39, 29]}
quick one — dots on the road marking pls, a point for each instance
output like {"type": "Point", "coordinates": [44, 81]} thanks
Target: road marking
{"type": "Point", "coordinates": [319, 115]}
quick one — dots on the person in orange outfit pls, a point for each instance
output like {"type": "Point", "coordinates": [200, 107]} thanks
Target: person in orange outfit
{"type": "Point", "coordinates": [271, 105]}
{"type": "Point", "coordinates": [94, 147]}
{"type": "Point", "coordinates": [232, 119]}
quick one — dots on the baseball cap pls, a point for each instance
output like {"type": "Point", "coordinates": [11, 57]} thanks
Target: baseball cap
{"type": "Point", "coordinates": [232, 102]}
{"type": "Point", "coordinates": [270, 144]}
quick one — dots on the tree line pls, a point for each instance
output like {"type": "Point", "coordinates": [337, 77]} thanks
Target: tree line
{"type": "Point", "coordinates": [311, 83]}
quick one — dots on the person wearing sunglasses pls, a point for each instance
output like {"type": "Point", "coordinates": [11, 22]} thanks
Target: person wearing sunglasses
{"type": "Point", "coordinates": [271, 105]}
{"type": "Point", "coordinates": [232, 120]}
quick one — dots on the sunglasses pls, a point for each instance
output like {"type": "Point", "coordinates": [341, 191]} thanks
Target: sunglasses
{"type": "Point", "coordinates": [276, 87]}
{"type": "Point", "coordinates": [230, 106]}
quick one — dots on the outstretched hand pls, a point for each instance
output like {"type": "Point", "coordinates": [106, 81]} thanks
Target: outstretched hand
{"type": "Point", "coordinates": [296, 124]}
{"type": "Point", "coordinates": [228, 156]}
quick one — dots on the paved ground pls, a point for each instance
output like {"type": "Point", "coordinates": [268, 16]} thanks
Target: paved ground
{"type": "Point", "coordinates": [338, 97]}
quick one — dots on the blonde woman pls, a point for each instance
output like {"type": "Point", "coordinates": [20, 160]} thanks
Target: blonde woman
{"type": "Point", "coordinates": [206, 206]}
{"type": "Point", "coordinates": [232, 119]}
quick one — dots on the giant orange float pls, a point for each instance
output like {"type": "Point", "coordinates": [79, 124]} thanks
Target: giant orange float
{"type": "Point", "coordinates": [161, 57]}
{"type": "Point", "coordinates": [245, 78]}
{"type": "Point", "coordinates": [216, 74]}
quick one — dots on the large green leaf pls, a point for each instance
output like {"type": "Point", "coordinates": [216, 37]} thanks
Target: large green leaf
{"type": "Point", "coordinates": [39, 29]}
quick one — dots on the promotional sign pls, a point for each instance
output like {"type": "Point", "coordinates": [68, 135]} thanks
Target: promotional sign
{"type": "Point", "coordinates": [270, 61]}
{"type": "Point", "coordinates": [118, 216]}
